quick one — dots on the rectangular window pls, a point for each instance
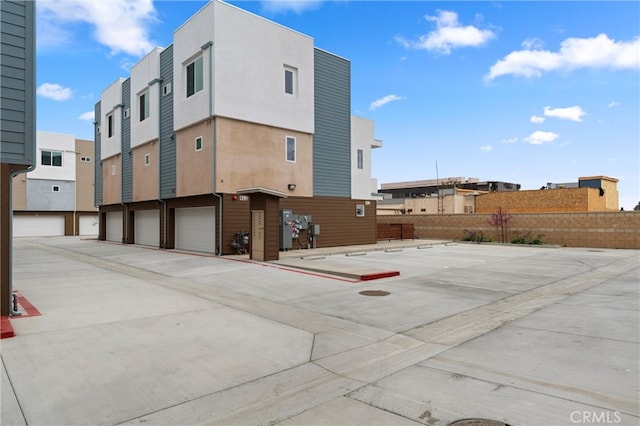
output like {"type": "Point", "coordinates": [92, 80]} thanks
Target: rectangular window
{"type": "Point", "coordinates": [291, 148]}
{"type": "Point", "coordinates": [360, 159]}
{"type": "Point", "coordinates": [126, 113]}
{"type": "Point", "coordinates": [147, 159]}
{"type": "Point", "coordinates": [166, 89]}
{"type": "Point", "coordinates": [55, 188]}
{"type": "Point", "coordinates": [289, 80]}
{"type": "Point", "coordinates": [198, 143]}
{"type": "Point", "coordinates": [143, 103]}
{"type": "Point", "coordinates": [85, 159]}
{"type": "Point", "coordinates": [194, 77]}
{"type": "Point", "coordinates": [359, 210]}
{"type": "Point", "coordinates": [110, 126]}
{"type": "Point", "coordinates": [51, 158]}
{"type": "Point", "coordinates": [113, 170]}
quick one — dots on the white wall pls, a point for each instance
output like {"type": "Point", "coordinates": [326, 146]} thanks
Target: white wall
{"type": "Point", "coordinates": [362, 137]}
{"type": "Point", "coordinates": [249, 56]}
{"type": "Point", "coordinates": [142, 73]}
{"type": "Point", "coordinates": [49, 141]}
{"type": "Point", "coordinates": [111, 96]}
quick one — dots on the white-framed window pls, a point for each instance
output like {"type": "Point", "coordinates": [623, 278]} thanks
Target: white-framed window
{"type": "Point", "coordinates": [113, 170]}
{"type": "Point", "coordinates": [143, 106]}
{"type": "Point", "coordinates": [194, 76]}
{"type": "Point", "coordinates": [85, 159]}
{"type": "Point", "coordinates": [290, 78]}
{"type": "Point", "coordinates": [147, 159]}
{"type": "Point", "coordinates": [359, 210]}
{"type": "Point", "coordinates": [166, 89]}
{"type": "Point", "coordinates": [290, 143]}
{"type": "Point", "coordinates": [51, 158]}
{"type": "Point", "coordinates": [97, 130]}
{"type": "Point", "coordinates": [55, 188]}
{"type": "Point", "coordinates": [198, 143]}
{"type": "Point", "coordinates": [126, 113]}
{"type": "Point", "coordinates": [110, 125]}
{"type": "Point", "coordinates": [360, 156]}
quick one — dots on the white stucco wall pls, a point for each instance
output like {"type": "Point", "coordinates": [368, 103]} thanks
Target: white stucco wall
{"type": "Point", "coordinates": [62, 142]}
{"type": "Point", "coordinates": [249, 56]}
{"type": "Point", "coordinates": [111, 97]}
{"type": "Point", "coordinates": [144, 72]}
{"type": "Point", "coordinates": [362, 137]}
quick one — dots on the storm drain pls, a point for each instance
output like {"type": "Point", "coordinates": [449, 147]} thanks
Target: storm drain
{"type": "Point", "coordinates": [477, 422]}
{"type": "Point", "coordinates": [374, 293]}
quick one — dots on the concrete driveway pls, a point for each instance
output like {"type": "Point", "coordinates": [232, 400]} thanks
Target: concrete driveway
{"type": "Point", "coordinates": [131, 335]}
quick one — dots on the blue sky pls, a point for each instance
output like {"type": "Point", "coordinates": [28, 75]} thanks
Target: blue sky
{"type": "Point", "coordinates": [522, 92]}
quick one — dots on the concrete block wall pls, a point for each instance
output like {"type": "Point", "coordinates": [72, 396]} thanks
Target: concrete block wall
{"type": "Point", "coordinates": [545, 201]}
{"type": "Point", "coordinates": [589, 229]}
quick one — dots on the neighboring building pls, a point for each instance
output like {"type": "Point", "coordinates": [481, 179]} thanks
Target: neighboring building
{"type": "Point", "coordinates": [237, 105]}
{"type": "Point", "coordinates": [56, 198]}
{"type": "Point", "coordinates": [451, 201]}
{"type": "Point", "coordinates": [17, 121]}
{"type": "Point", "coordinates": [430, 187]}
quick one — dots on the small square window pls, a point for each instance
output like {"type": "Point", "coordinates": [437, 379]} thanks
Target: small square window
{"type": "Point", "coordinates": [166, 89]}
{"type": "Point", "coordinates": [359, 210]}
{"type": "Point", "coordinates": [126, 113]}
{"type": "Point", "coordinates": [55, 188]}
{"type": "Point", "coordinates": [291, 148]}
{"type": "Point", "coordinates": [198, 143]}
{"type": "Point", "coordinates": [113, 170]}
{"type": "Point", "coordinates": [147, 159]}
{"type": "Point", "coordinates": [85, 159]}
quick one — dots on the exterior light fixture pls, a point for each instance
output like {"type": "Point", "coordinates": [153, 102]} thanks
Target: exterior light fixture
{"type": "Point", "coordinates": [291, 186]}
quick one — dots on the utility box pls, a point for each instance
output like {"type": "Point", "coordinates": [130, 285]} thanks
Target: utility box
{"type": "Point", "coordinates": [286, 222]}
{"type": "Point", "coordinates": [315, 229]}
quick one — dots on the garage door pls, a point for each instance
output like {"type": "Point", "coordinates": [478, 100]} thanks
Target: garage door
{"type": "Point", "coordinates": [147, 227]}
{"type": "Point", "coordinates": [196, 229]}
{"type": "Point", "coordinates": [88, 225]}
{"type": "Point", "coordinates": [38, 226]}
{"type": "Point", "coordinates": [114, 226]}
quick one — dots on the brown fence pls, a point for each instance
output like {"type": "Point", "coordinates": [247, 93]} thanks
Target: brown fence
{"type": "Point", "coordinates": [603, 230]}
{"type": "Point", "coordinates": [395, 231]}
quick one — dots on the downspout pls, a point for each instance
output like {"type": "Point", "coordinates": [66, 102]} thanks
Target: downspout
{"type": "Point", "coordinates": [163, 244]}
{"type": "Point", "coordinates": [209, 46]}
{"type": "Point", "coordinates": [12, 175]}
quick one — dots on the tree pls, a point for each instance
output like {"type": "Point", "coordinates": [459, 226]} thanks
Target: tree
{"type": "Point", "coordinates": [637, 207]}
{"type": "Point", "coordinates": [500, 219]}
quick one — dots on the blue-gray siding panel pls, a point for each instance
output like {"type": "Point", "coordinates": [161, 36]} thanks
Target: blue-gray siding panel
{"type": "Point", "coordinates": [167, 139]}
{"type": "Point", "coordinates": [97, 196]}
{"type": "Point", "coordinates": [127, 158]}
{"type": "Point", "coordinates": [41, 197]}
{"type": "Point", "coordinates": [17, 81]}
{"type": "Point", "coordinates": [332, 135]}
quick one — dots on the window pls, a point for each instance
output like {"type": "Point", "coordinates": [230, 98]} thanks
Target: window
{"type": "Point", "coordinates": [198, 143]}
{"type": "Point", "coordinates": [166, 89]}
{"type": "Point", "coordinates": [291, 148]}
{"type": "Point", "coordinates": [52, 158]}
{"type": "Point", "coordinates": [55, 188]}
{"type": "Point", "coordinates": [85, 159]}
{"type": "Point", "coordinates": [360, 159]}
{"type": "Point", "coordinates": [110, 125]}
{"type": "Point", "coordinates": [359, 210]}
{"type": "Point", "coordinates": [143, 104]}
{"type": "Point", "coordinates": [147, 159]}
{"type": "Point", "coordinates": [126, 113]}
{"type": "Point", "coordinates": [113, 170]}
{"type": "Point", "coordinates": [289, 80]}
{"type": "Point", "coordinates": [194, 77]}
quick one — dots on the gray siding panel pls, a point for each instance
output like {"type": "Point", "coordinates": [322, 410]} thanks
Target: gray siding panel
{"type": "Point", "coordinates": [332, 135]}
{"type": "Point", "coordinates": [127, 158]}
{"type": "Point", "coordinates": [98, 163]}
{"type": "Point", "coordinates": [167, 138]}
{"type": "Point", "coordinates": [41, 197]}
{"type": "Point", "coordinates": [17, 81]}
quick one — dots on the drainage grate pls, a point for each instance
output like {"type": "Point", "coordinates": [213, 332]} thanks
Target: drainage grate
{"type": "Point", "coordinates": [374, 293]}
{"type": "Point", "coordinates": [477, 422]}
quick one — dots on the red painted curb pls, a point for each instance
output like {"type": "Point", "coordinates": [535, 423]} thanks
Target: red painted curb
{"type": "Point", "coordinates": [378, 275]}
{"type": "Point", "coordinates": [6, 330]}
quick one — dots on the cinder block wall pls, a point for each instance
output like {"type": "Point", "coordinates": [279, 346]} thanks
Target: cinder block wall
{"type": "Point", "coordinates": [601, 229]}
{"type": "Point", "coordinates": [544, 201]}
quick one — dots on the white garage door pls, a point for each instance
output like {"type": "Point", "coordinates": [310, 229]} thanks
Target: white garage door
{"type": "Point", "coordinates": [38, 226]}
{"type": "Point", "coordinates": [196, 229]}
{"type": "Point", "coordinates": [88, 225]}
{"type": "Point", "coordinates": [114, 226]}
{"type": "Point", "coordinates": [147, 227]}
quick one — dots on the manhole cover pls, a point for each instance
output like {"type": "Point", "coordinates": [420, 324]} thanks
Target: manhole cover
{"type": "Point", "coordinates": [596, 251]}
{"type": "Point", "coordinates": [374, 293]}
{"type": "Point", "coordinates": [477, 422]}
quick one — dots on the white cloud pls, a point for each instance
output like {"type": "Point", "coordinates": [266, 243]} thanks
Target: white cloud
{"type": "Point", "coordinates": [296, 6]}
{"type": "Point", "coordinates": [54, 91]}
{"type": "Point", "coordinates": [120, 25]}
{"type": "Point", "coordinates": [532, 43]}
{"type": "Point", "coordinates": [536, 119]}
{"type": "Point", "coordinates": [449, 34]}
{"type": "Point", "coordinates": [539, 137]}
{"type": "Point", "coordinates": [383, 101]}
{"type": "Point", "coordinates": [613, 104]}
{"type": "Point", "coordinates": [87, 116]}
{"type": "Point", "coordinates": [486, 148]}
{"type": "Point", "coordinates": [574, 53]}
{"type": "Point", "coordinates": [573, 113]}
{"type": "Point", "coordinates": [510, 140]}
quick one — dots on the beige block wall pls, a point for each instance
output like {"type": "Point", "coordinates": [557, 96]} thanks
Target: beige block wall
{"type": "Point", "coordinates": [194, 171]}
{"type": "Point", "coordinates": [145, 177]}
{"type": "Point", "coordinates": [111, 183]}
{"type": "Point", "coordinates": [19, 192]}
{"type": "Point", "coordinates": [85, 176]}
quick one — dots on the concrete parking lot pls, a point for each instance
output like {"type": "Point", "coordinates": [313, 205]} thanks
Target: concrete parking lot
{"type": "Point", "coordinates": [520, 335]}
